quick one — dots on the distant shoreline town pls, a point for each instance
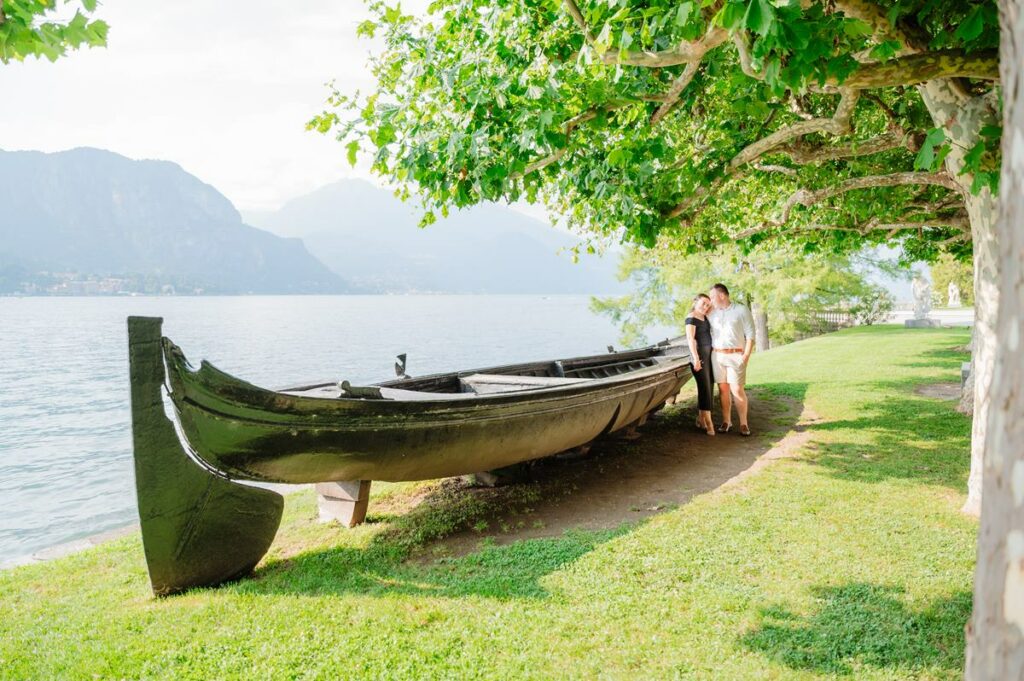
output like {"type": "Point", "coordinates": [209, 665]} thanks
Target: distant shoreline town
{"type": "Point", "coordinates": [79, 284]}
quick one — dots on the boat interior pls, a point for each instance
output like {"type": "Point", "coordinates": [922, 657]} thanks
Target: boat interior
{"type": "Point", "coordinates": [538, 374]}
{"type": "Point", "coordinates": [504, 379]}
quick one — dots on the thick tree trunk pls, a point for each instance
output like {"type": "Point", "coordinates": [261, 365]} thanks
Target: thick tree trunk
{"type": "Point", "coordinates": [966, 405]}
{"type": "Point", "coordinates": [962, 118]}
{"type": "Point", "coordinates": [995, 638]}
{"type": "Point", "coordinates": [761, 328]}
{"type": "Point", "coordinates": [986, 302]}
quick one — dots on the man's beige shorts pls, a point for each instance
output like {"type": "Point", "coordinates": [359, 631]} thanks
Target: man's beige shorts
{"type": "Point", "coordinates": [729, 367]}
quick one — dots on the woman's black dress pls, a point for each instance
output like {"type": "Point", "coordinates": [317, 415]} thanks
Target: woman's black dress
{"type": "Point", "coordinates": [704, 378]}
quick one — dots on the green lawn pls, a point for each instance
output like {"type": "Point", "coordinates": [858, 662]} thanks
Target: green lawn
{"type": "Point", "coordinates": [850, 559]}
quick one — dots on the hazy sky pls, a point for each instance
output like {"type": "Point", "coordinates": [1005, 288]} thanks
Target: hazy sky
{"type": "Point", "coordinates": [222, 88]}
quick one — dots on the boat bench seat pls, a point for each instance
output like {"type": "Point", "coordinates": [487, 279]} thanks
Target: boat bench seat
{"type": "Point", "coordinates": [469, 387]}
{"type": "Point", "coordinates": [420, 395]}
{"type": "Point", "coordinates": [482, 384]}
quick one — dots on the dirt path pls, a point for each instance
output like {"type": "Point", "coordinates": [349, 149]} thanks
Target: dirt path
{"type": "Point", "coordinates": [625, 481]}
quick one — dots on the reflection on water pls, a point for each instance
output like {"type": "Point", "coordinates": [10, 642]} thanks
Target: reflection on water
{"type": "Point", "coordinates": [65, 441]}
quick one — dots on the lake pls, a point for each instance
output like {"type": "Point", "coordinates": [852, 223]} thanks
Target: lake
{"type": "Point", "coordinates": [65, 439]}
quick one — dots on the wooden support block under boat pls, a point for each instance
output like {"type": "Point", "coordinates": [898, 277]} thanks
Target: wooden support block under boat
{"type": "Point", "coordinates": [509, 475]}
{"type": "Point", "coordinates": [343, 501]}
{"type": "Point", "coordinates": [198, 528]}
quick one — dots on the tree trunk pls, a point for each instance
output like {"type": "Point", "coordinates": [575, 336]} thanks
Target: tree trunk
{"type": "Point", "coordinates": [962, 119]}
{"type": "Point", "coordinates": [761, 328]}
{"type": "Point", "coordinates": [986, 301]}
{"type": "Point", "coordinates": [995, 636]}
{"type": "Point", "coordinates": [966, 405]}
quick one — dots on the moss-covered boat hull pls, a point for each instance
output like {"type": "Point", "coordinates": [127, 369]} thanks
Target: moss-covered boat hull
{"type": "Point", "coordinates": [406, 429]}
{"type": "Point", "coordinates": [254, 434]}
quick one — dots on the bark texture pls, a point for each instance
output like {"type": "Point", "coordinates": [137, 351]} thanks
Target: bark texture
{"type": "Point", "coordinates": [761, 328]}
{"type": "Point", "coordinates": [963, 118]}
{"type": "Point", "coordinates": [995, 637]}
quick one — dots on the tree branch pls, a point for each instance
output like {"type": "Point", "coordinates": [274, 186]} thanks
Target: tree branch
{"type": "Point", "coordinates": [912, 37]}
{"type": "Point", "coordinates": [772, 168]}
{"type": "Point", "coordinates": [712, 39]}
{"type": "Point", "coordinates": [686, 52]}
{"type": "Point", "coordinates": [570, 125]}
{"type": "Point", "coordinates": [839, 124]}
{"type": "Point", "coordinates": [577, 16]}
{"type": "Point", "coordinates": [917, 68]}
{"type": "Point", "coordinates": [807, 198]}
{"type": "Point", "coordinates": [875, 224]}
{"type": "Point", "coordinates": [803, 153]}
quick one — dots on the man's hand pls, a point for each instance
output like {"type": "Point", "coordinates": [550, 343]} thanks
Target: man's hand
{"type": "Point", "coordinates": [746, 358]}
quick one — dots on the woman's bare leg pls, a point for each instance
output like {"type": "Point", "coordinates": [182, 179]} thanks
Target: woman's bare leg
{"type": "Point", "coordinates": [706, 422]}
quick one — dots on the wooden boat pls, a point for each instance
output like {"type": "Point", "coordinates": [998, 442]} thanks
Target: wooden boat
{"type": "Point", "coordinates": [404, 429]}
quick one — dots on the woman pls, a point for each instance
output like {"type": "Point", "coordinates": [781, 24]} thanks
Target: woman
{"type": "Point", "coordinates": [698, 335]}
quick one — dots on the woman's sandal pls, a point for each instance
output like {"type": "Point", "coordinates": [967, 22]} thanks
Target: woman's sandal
{"type": "Point", "coordinates": [724, 428]}
{"type": "Point", "coordinates": [745, 430]}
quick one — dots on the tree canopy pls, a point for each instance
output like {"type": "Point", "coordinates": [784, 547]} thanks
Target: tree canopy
{"type": "Point", "coordinates": [706, 121]}
{"type": "Point", "coordinates": [790, 288]}
{"type": "Point", "coordinates": [47, 28]}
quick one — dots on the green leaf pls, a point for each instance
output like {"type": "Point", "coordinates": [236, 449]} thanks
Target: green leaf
{"type": "Point", "coordinates": [392, 14]}
{"type": "Point", "coordinates": [926, 156]}
{"type": "Point", "coordinates": [683, 13]}
{"type": "Point", "coordinates": [366, 28]}
{"type": "Point", "coordinates": [626, 40]}
{"type": "Point", "coordinates": [428, 219]}
{"type": "Point", "coordinates": [617, 157]}
{"type": "Point", "coordinates": [992, 132]}
{"type": "Point", "coordinates": [972, 26]}
{"type": "Point", "coordinates": [759, 17]}
{"type": "Point", "coordinates": [855, 28]}
{"type": "Point", "coordinates": [352, 149]}
{"type": "Point", "coordinates": [885, 51]}
{"type": "Point", "coordinates": [730, 15]}
{"type": "Point", "coordinates": [972, 159]}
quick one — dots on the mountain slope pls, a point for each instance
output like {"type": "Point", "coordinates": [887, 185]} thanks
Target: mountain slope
{"type": "Point", "coordinates": [99, 213]}
{"type": "Point", "coordinates": [370, 238]}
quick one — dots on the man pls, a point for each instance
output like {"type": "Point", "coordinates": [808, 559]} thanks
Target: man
{"type": "Point", "coordinates": [732, 336]}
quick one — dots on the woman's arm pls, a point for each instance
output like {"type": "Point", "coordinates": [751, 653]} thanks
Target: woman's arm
{"type": "Point", "coordinates": [691, 340]}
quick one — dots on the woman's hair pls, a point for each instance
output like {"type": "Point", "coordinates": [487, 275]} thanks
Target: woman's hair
{"type": "Point", "coordinates": [697, 298]}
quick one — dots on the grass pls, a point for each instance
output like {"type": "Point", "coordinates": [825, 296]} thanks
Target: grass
{"type": "Point", "coordinates": [848, 560]}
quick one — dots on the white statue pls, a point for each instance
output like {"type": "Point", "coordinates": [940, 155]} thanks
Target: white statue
{"type": "Point", "coordinates": [953, 294]}
{"type": "Point", "coordinates": [922, 289]}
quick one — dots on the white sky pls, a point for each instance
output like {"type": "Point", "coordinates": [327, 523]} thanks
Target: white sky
{"type": "Point", "coordinates": [222, 88]}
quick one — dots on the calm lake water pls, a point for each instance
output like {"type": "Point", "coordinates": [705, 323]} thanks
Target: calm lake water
{"type": "Point", "coordinates": [65, 440]}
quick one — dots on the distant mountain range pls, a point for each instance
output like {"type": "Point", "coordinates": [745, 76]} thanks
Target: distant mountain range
{"type": "Point", "coordinates": [92, 221]}
{"type": "Point", "coordinates": [88, 214]}
{"type": "Point", "coordinates": [372, 240]}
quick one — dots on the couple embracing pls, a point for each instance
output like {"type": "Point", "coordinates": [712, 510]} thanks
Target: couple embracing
{"type": "Point", "coordinates": [721, 337]}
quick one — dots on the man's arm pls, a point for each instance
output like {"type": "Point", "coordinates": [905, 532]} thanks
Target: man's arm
{"type": "Point", "coordinates": [748, 331]}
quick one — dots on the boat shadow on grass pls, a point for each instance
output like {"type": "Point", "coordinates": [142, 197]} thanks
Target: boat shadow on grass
{"type": "Point", "coordinates": [452, 539]}
{"type": "Point", "coordinates": [863, 625]}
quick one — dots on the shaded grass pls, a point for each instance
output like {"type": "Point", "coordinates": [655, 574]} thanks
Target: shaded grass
{"type": "Point", "coordinates": [851, 560]}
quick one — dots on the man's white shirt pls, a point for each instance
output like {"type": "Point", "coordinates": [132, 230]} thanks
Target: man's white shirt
{"type": "Point", "coordinates": [731, 327]}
